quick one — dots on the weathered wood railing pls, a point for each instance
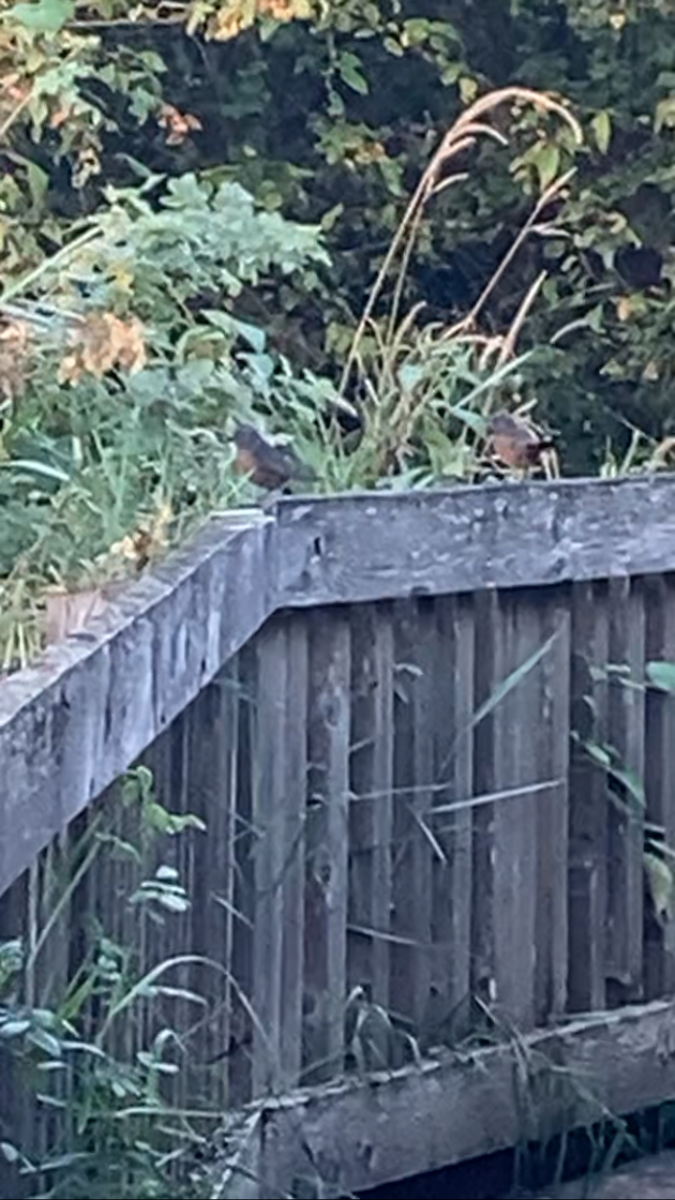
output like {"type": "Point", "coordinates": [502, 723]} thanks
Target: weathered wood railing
{"type": "Point", "coordinates": [321, 683]}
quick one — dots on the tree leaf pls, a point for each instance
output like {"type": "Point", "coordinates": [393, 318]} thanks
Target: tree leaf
{"type": "Point", "coordinates": [602, 130]}
{"type": "Point", "coordinates": [46, 16]}
{"type": "Point", "coordinates": [661, 675]}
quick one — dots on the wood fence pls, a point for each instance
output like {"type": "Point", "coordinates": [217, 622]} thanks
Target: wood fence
{"type": "Point", "coordinates": [417, 731]}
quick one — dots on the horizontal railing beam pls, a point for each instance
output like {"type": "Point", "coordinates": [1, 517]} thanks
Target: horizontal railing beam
{"type": "Point", "coordinates": [374, 546]}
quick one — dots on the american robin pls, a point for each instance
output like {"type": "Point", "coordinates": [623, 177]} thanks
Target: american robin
{"type": "Point", "coordinates": [268, 466]}
{"type": "Point", "coordinates": [515, 442]}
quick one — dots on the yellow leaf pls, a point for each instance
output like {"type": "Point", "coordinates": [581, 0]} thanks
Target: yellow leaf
{"type": "Point", "coordinates": [624, 308]}
{"type": "Point", "coordinates": [617, 20]}
{"type": "Point", "coordinates": [468, 89]}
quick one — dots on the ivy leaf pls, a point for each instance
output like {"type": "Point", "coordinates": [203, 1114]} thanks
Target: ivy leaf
{"type": "Point", "coordinates": [602, 130]}
{"type": "Point", "coordinates": [47, 16]}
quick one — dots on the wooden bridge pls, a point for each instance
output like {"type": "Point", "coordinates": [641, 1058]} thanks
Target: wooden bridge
{"type": "Point", "coordinates": [418, 733]}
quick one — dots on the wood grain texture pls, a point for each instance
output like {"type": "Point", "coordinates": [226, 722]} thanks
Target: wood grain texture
{"type": "Point", "coordinates": [626, 737]}
{"type": "Point", "coordinates": [369, 546]}
{"type": "Point", "coordinates": [76, 720]}
{"type": "Point", "coordinates": [370, 811]}
{"type": "Point", "coordinates": [412, 848]}
{"type": "Point", "coordinates": [361, 1135]}
{"type": "Point", "coordinates": [588, 801]}
{"type": "Point", "coordinates": [326, 888]}
{"type": "Point", "coordinates": [660, 774]}
{"type": "Point", "coordinates": [452, 818]}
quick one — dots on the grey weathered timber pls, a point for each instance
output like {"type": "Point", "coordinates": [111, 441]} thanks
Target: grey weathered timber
{"type": "Point", "coordinates": [412, 848]}
{"type": "Point", "coordinates": [327, 843]}
{"type": "Point", "coordinates": [73, 723]}
{"type": "Point", "coordinates": [452, 817]}
{"type": "Point", "coordinates": [626, 735]}
{"type": "Point", "coordinates": [588, 828]}
{"type": "Point", "coordinates": [552, 761]}
{"type": "Point", "coordinates": [372, 546]}
{"type": "Point", "coordinates": [370, 813]}
{"type": "Point", "coordinates": [357, 1135]}
{"type": "Point", "coordinates": [660, 773]}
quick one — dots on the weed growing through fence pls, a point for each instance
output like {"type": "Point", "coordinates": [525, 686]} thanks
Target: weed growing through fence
{"type": "Point", "coordinates": [96, 1046]}
{"type": "Point", "coordinates": [626, 788]}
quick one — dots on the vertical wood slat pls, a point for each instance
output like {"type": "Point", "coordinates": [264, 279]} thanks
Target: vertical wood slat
{"type": "Point", "coordinates": [660, 772]}
{"type": "Point", "coordinates": [551, 732]}
{"type": "Point", "coordinates": [410, 953]}
{"type": "Point", "coordinates": [518, 638]}
{"type": "Point", "coordinates": [452, 815]}
{"type": "Point", "coordinates": [588, 805]}
{"type": "Point", "coordinates": [278, 820]}
{"type": "Point", "coordinates": [327, 843]}
{"type": "Point", "coordinates": [212, 761]}
{"type": "Point", "coordinates": [626, 728]}
{"type": "Point", "coordinates": [370, 814]}
{"type": "Point", "coordinates": [241, 967]}
{"type": "Point", "coordinates": [486, 777]}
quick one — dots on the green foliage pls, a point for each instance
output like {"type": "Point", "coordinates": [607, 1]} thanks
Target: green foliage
{"type": "Point", "coordinates": [97, 1057]}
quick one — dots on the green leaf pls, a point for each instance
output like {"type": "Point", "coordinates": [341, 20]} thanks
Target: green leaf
{"type": "Point", "coordinates": [661, 675]}
{"type": "Point", "coordinates": [602, 130]}
{"type": "Point", "coordinates": [349, 67]}
{"type": "Point", "coordinates": [46, 16]}
{"type": "Point", "coordinates": [546, 162]}
{"type": "Point", "coordinates": [660, 880]}
{"type": "Point", "coordinates": [10, 1029]}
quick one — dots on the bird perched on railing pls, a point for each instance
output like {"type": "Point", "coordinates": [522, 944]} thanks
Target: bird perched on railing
{"type": "Point", "coordinates": [515, 441]}
{"type": "Point", "coordinates": [269, 466]}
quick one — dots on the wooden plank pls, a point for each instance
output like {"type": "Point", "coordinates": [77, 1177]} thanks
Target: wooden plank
{"type": "Point", "coordinates": [588, 822]}
{"type": "Point", "coordinates": [552, 751]}
{"type": "Point", "coordinates": [452, 819]}
{"type": "Point", "coordinates": [241, 1024]}
{"type": "Point", "coordinates": [517, 637]}
{"type": "Point", "coordinates": [421, 1118]}
{"type": "Point", "coordinates": [660, 772]}
{"type": "Point", "coordinates": [267, 817]}
{"type": "Point", "coordinates": [513, 904]}
{"type": "Point", "coordinates": [370, 812]}
{"type": "Point", "coordinates": [327, 843]}
{"type": "Point", "coordinates": [213, 720]}
{"type": "Point", "coordinates": [76, 720]}
{"type": "Point", "coordinates": [410, 950]}
{"type": "Point", "coordinates": [487, 671]}
{"type": "Point", "coordinates": [292, 885]}
{"type": "Point", "coordinates": [373, 546]}
{"type": "Point", "coordinates": [626, 731]}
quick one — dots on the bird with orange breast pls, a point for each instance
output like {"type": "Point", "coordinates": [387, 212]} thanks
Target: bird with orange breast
{"type": "Point", "coordinates": [515, 443]}
{"type": "Point", "coordinates": [268, 466]}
